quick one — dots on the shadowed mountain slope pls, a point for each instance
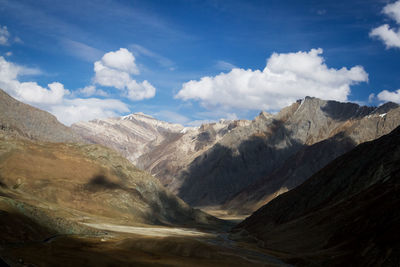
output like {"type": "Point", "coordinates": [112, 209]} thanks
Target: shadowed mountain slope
{"type": "Point", "coordinates": [308, 160]}
{"type": "Point", "coordinates": [345, 214]}
{"type": "Point", "coordinates": [23, 120]}
{"type": "Point", "coordinates": [263, 157]}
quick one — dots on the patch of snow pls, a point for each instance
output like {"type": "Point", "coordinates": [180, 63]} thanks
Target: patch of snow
{"type": "Point", "coordinates": [382, 115]}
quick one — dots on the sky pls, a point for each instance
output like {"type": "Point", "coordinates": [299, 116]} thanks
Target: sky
{"type": "Point", "coordinates": [192, 61]}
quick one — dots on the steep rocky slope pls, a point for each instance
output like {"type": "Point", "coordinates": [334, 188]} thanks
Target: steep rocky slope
{"type": "Point", "coordinates": [25, 121]}
{"type": "Point", "coordinates": [129, 135]}
{"type": "Point", "coordinates": [345, 215]}
{"type": "Point", "coordinates": [167, 159]}
{"type": "Point", "coordinates": [308, 160]}
{"type": "Point", "coordinates": [253, 155]}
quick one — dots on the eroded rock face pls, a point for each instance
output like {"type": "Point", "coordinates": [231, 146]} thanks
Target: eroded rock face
{"type": "Point", "coordinates": [129, 135]}
{"type": "Point", "coordinates": [343, 215]}
{"type": "Point", "coordinates": [25, 121]}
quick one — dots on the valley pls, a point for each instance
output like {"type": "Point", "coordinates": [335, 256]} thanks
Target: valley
{"type": "Point", "coordinates": [301, 187]}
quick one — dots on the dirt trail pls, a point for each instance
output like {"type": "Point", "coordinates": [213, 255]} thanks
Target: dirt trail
{"type": "Point", "coordinates": [150, 231]}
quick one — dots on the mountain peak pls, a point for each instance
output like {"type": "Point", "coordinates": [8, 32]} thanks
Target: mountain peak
{"type": "Point", "coordinates": [137, 114]}
{"type": "Point", "coordinates": [385, 108]}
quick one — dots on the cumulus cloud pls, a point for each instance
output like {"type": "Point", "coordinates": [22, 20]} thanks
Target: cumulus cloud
{"type": "Point", "coordinates": [286, 78]}
{"type": "Point", "coordinates": [91, 90]}
{"type": "Point", "coordinates": [121, 60]}
{"type": "Point", "coordinates": [385, 96]}
{"type": "Point", "coordinates": [55, 98]}
{"type": "Point", "coordinates": [79, 109]}
{"type": "Point", "coordinates": [29, 92]}
{"type": "Point", "coordinates": [393, 11]}
{"type": "Point", "coordinates": [4, 35]}
{"type": "Point", "coordinates": [389, 36]}
{"type": "Point", "coordinates": [115, 70]}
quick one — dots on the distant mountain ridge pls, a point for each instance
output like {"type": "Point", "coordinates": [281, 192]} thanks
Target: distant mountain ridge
{"type": "Point", "coordinates": [128, 134]}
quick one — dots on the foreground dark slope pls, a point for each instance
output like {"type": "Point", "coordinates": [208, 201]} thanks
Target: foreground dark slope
{"type": "Point", "coordinates": [346, 214]}
{"type": "Point", "coordinates": [19, 119]}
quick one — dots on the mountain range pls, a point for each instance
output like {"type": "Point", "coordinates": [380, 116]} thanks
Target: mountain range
{"type": "Point", "coordinates": [241, 165]}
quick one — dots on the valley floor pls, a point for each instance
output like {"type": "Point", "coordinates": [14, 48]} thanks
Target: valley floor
{"type": "Point", "coordinates": [123, 245]}
{"type": "Point", "coordinates": [223, 214]}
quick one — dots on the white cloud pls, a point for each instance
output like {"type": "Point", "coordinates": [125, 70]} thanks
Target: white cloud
{"type": "Point", "coordinates": [54, 98]}
{"type": "Point", "coordinates": [4, 35]}
{"type": "Point", "coordinates": [371, 98]}
{"type": "Point", "coordinates": [8, 54]}
{"type": "Point", "coordinates": [73, 110]}
{"type": "Point", "coordinates": [390, 36]}
{"type": "Point", "coordinates": [286, 78]}
{"type": "Point", "coordinates": [91, 90]}
{"type": "Point", "coordinates": [139, 91]}
{"type": "Point", "coordinates": [115, 69]}
{"type": "Point", "coordinates": [121, 60]}
{"type": "Point", "coordinates": [29, 92]}
{"type": "Point", "coordinates": [389, 96]}
{"type": "Point", "coordinates": [393, 11]}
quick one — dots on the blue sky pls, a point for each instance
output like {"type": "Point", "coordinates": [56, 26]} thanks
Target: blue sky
{"type": "Point", "coordinates": [49, 49]}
